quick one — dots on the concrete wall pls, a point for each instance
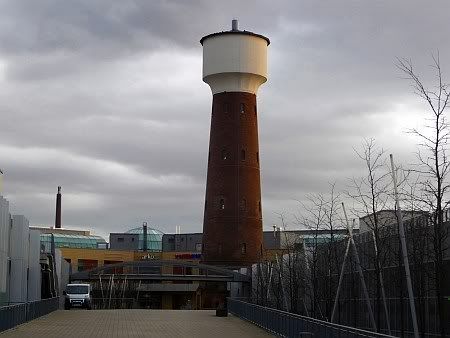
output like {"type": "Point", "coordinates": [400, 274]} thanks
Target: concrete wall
{"type": "Point", "coordinates": [123, 241]}
{"type": "Point", "coordinates": [4, 248]}
{"type": "Point", "coordinates": [182, 242]}
{"type": "Point", "coordinates": [19, 250]}
{"type": "Point", "coordinates": [34, 268]}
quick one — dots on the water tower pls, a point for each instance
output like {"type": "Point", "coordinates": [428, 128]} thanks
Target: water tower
{"type": "Point", "coordinates": [234, 66]}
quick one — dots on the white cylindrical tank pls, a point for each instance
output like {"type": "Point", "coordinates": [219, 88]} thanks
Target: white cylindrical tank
{"type": "Point", "coordinates": [234, 61]}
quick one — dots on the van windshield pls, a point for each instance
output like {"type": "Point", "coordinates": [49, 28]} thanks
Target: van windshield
{"type": "Point", "coordinates": [77, 289]}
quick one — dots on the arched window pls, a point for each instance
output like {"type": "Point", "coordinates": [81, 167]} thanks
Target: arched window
{"type": "Point", "coordinates": [243, 248]}
{"type": "Point", "coordinates": [224, 154]}
{"type": "Point", "coordinates": [242, 155]}
{"type": "Point", "coordinates": [243, 205]}
{"type": "Point", "coordinates": [242, 108]}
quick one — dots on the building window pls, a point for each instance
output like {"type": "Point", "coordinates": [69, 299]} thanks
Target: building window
{"type": "Point", "coordinates": [243, 205]}
{"type": "Point", "coordinates": [242, 108]}
{"type": "Point", "coordinates": [259, 206]}
{"type": "Point", "coordinates": [257, 157]}
{"type": "Point", "coordinates": [243, 248]}
{"type": "Point", "coordinates": [120, 239]}
{"type": "Point", "coordinates": [255, 110]}
{"type": "Point", "coordinates": [222, 204]}
{"type": "Point", "coordinates": [225, 108]}
{"type": "Point", "coordinates": [198, 247]}
{"type": "Point", "coordinates": [132, 239]}
{"type": "Point", "coordinates": [242, 155]}
{"type": "Point", "coordinates": [206, 204]}
{"type": "Point", "coordinates": [224, 154]}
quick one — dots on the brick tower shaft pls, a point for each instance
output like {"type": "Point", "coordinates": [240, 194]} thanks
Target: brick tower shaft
{"type": "Point", "coordinates": [232, 229]}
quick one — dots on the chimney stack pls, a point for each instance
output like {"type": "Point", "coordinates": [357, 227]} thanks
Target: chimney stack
{"type": "Point", "coordinates": [58, 210]}
{"type": "Point", "coordinates": [144, 244]}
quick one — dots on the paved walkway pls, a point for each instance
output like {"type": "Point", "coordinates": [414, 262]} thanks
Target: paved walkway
{"type": "Point", "coordinates": [136, 323]}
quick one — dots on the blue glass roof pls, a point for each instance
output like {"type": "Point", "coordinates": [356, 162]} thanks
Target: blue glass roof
{"type": "Point", "coordinates": [154, 238]}
{"type": "Point", "coordinates": [71, 241]}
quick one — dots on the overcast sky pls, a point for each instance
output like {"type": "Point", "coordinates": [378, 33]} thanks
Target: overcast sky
{"type": "Point", "coordinates": [105, 98]}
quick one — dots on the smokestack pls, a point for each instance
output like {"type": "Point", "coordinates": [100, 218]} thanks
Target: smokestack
{"type": "Point", "coordinates": [58, 210]}
{"type": "Point", "coordinates": [144, 244]}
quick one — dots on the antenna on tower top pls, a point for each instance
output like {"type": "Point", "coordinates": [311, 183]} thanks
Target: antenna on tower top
{"type": "Point", "coordinates": [234, 25]}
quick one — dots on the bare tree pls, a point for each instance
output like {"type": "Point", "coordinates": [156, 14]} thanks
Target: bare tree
{"type": "Point", "coordinates": [433, 163]}
{"type": "Point", "coordinates": [371, 196]}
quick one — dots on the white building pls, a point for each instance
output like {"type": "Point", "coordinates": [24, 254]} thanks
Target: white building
{"type": "Point", "coordinates": [20, 270]}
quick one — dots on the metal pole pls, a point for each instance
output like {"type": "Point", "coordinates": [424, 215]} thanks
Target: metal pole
{"type": "Point", "coordinates": [361, 274]}
{"type": "Point", "coordinates": [401, 230]}
{"type": "Point", "coordinates": [341, 277]}
{"type": "Point", "coordinates": [282, 287]}
{"type": "Point", "coordinates": [383, 293]}
{"type": "Point", "coordinates": [101, 288]}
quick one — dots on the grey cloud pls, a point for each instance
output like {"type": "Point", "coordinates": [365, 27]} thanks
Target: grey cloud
{"type": "Point", "coordinates": [106, 99]}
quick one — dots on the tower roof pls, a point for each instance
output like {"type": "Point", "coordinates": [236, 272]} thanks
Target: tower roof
{"type": "Point", "coordinates": [234, 30]}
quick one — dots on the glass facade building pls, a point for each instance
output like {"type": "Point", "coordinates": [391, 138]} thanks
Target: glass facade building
{"type": "Point", "coordinates": [72, 241]}
{"type": "Point", "coordinates": [154, 238]}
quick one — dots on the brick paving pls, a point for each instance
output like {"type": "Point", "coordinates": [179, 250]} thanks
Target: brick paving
{"type": "Point", "coordinates": [136, 323]}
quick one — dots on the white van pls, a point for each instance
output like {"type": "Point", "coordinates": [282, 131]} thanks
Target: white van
{"type": "Point", "coordinates": [77, 295]}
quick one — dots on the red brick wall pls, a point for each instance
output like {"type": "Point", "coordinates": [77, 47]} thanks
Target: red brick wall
{"type": "Point", "coordinates": [234, 180]}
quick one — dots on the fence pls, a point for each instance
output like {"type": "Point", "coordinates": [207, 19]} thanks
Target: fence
{"type": "Point", "coordinates": [13, 315]}
{"type": "Point", "coordinates": [291, 325]}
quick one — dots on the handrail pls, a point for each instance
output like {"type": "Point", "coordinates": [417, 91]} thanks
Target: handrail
{"type": "Point", "coordinates": [287, 324]}
{"type": "Point", "coordinates": [16, 314]}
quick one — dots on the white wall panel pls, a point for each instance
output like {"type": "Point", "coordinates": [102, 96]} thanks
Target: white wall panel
{"type": "Point", "coordinates": [34, 269]}
{"type": "Point", "coordinates": [19, 251]}
{"type": "Point", "coordinates": [4, 247]}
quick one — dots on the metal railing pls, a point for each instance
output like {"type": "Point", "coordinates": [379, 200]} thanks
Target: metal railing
{"type": "Point", "coordinates": [13, 315]}
{"type": "Point", "coordinates": [285, 324]}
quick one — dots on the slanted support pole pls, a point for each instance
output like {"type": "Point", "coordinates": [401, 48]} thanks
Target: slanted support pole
{"type": "Point", "coordinates": [360, 272]}
{"type": "Point", "coordinates": [401, 231]}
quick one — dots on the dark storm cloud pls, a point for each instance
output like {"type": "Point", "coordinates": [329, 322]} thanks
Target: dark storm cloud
{"type": "Point", "coordinates": [105, 98]}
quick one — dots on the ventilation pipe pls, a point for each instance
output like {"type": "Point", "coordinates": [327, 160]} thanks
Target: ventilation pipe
{"type": "Point", "coordinates": [144, 231]}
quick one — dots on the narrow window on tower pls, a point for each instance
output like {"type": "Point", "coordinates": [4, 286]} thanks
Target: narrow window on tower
{"type": "Point", "coordinates": [222, 204]}
{"type": "Point", "coordinates": [243, 205]}
{"type": "Point", "coordinates": [243, 248]}
{"type": "Point", "coordinates": [257, 157]}
{"type": "Point", "coordinates": [242, 155]}
{"type": "Point", "coordinates": [224, 154]}
{"type": "Point", "coordinates": [206, 204]}
{"type": "Point", "coordinates": [242, 108]}
{"type": "Point", "coordinates": [259, 206]}
{"type": "Point", "coordinates": [225, 108]}
{"type": "Point", "coordinates": [255, 109]}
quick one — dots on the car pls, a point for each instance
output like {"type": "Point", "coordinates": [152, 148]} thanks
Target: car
{"type": "Point", "coordinates": [77, 295]}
